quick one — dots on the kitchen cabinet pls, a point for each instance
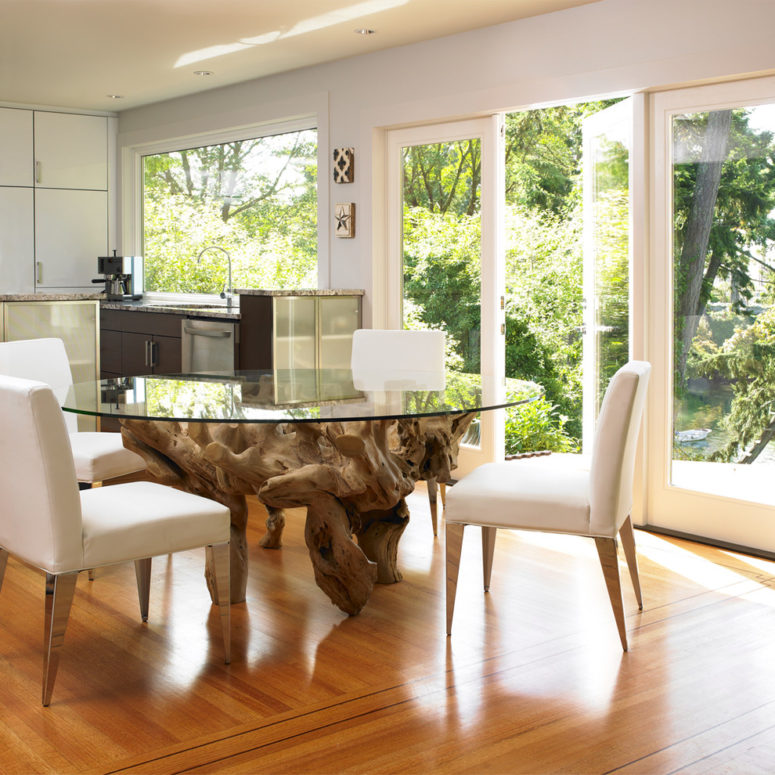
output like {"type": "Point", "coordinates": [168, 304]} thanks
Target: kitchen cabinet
{"type": "Point", "coordinates": [286, 329]}
{"type": "Point", "coordinates": [17, 240]}
{"type": "Point", "coordinates": [71, 151]}
{"type": "Point", "coordinates": [16, 159]}
{"type": "Point", "coordinates": [74, 322]}
{"type": "Point", "coordinates": [53, 178]}
{"type": "Point", "coordinates": [135, 343]}
{"type": "Point", "coordinates": [71, 231]}
{"type": "Point", "coordinates": [300, 330]}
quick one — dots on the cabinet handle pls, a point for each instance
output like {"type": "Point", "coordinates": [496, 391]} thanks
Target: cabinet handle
{"type": "Point", "coordinates": [38, 272]}
{"type": "Point", "coordinates": [154, 354]}
{"type": "Point", "coordinates": [147, 353]}
{"type": "Point", "coordinates": [38, 175]}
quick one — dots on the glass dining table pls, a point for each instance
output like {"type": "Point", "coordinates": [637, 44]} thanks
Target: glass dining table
{"type": "Point", "coordinates": [349, 448]}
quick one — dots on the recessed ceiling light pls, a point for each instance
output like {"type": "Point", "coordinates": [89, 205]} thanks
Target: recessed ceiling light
{"type": "Point", "coordinates": [365, 31]}
{"type": "Point", "coordinates": [203, 72]}
{"type": "Point", "coordinates": [115, 96]}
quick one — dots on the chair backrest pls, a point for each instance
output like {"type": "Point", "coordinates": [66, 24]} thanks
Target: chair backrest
{"type": "Point", "coordinates": [40, 359]}
{"type": "Point", "coordinates": [386, 359]}
{"type": "Point", "coordinates": [613, 453]}
{"type": "Point", "coordinates": [40, 513]}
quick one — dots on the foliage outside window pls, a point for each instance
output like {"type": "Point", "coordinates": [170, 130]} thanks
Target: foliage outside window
{"type": "Point", "coordinates": [255, 199]}
{"type": "Point", "coordinates": [544, 311]}
{"type": "Point", "coordinates": [724, 284]}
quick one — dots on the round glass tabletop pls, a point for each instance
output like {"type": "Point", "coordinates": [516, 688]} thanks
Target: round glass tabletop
{"type": "Point", "coordinates": [293, 395]}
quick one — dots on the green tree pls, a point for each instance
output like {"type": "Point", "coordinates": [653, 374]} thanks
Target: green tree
{"type": "Point", "coordinates": [747, 358]}
{"type": "Point", "coordinates": [255, 198]}
{"type": "Point", "coordinates": [724, 193]}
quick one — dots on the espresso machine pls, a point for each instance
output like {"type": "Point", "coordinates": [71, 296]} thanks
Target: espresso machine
{"type": "Point", "coordinates": [122, 277]}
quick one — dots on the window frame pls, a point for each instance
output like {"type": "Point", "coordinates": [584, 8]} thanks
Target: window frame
{"type": "Point", "coordinates": [132, 165]}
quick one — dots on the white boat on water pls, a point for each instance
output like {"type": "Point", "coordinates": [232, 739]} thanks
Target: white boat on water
{"type": "Point", "coordinates": [695, 434]}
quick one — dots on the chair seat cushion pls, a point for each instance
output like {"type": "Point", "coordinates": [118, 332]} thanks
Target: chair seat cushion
{"type": "Point", "coordinates": [142, 519]}
{"type": "Point", "coordinates": [530, 494]}
{"type": "Point", "coordinates": [102, 456]}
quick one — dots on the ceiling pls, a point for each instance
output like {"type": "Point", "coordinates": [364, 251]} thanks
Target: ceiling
{"type": "Point", "coordinates": [74, 53]}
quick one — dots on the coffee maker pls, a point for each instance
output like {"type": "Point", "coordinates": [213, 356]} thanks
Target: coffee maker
{"type": "Point", "coordinates": [122, 277]}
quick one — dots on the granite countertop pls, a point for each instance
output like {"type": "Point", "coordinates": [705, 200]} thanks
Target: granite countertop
{"type": "Point", "coordinates": [50, 296]}
{"type": "Point", "coordinates": [186, 309]}
{"type": "Point", "coordinates": [302, 292]}
{"type": "Point", "coordinates": [189, 310]}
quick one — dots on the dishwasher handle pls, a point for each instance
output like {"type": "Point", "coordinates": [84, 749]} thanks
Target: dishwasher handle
{"type": "Point", "coordinates": [205, 332]}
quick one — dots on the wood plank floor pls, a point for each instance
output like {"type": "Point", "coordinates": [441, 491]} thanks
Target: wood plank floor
{"type": "Point", "coordinates": [533, 679]}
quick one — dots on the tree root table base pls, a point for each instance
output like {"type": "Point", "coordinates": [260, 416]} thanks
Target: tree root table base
{"type": "Point", "coordinates": [353, 477]}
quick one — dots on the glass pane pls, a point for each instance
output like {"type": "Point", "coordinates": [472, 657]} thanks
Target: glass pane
{"type": "Point", "coordinates": [254, 201]}
{"type": "Point", "coordinates": [442, 248]}
{"type": "Point", "coordinates": [567, 214]}
{"type": "Point", "coordinates": [75, 323]}
{"type": "Point", "coordinates": [606, 251]}
{"type": "Point", "coordinates": [294, 336]}
{"type": "Point", "coordinates": [724, 321]}
{"type": "Point", "coordinates": [339, 317]}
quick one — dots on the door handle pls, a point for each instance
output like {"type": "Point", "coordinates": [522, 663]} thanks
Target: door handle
{"type": "Point", "coordinates": [39, 272]}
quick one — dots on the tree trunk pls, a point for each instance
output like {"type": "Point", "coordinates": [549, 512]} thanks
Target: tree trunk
{"type": "Point", "coordinates": [691, 266]}
{"type": "Point", "coordinates": [768, 434]}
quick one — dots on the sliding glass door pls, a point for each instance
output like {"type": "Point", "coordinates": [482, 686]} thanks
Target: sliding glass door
{"type": "Point", "coordinates": [712, 428]}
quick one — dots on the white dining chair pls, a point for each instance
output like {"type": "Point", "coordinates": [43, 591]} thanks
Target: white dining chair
{"type": "Point", "coordinates": [402, 360]}
{"type": "Point", "coordinates": [549, 494]}
{"type": "Point", "coordinates": [47, 522]}
{"type": "Point", "coordinates": [98, 456]}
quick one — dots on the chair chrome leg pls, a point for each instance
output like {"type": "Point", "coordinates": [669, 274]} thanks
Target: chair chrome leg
{"type": "Point", "coordinates": [3, 563]}
{"type": "Point", "coordinates": [606, 549]}
{"type": "Point", "coordinates": [454, 543]}
{"type": "Point", "coordinates": [59, 597]}
{"type": "Point", "coordinates": [432, 501]}
{"type": "Point", "coordinates": [488, 551]}
{"type": "Point", "coordinates": [628, 544]}
{"type": "Point", "coordinates": [143, 574]}
{"type": "Point", "coordinates": [218, 558]}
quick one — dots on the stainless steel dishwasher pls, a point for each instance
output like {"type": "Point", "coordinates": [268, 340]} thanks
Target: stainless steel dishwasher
{"type": "Point", "coordinates": [208, 345]}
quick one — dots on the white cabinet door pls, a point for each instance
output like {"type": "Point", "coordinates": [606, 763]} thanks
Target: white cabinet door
{"type": "Point", "coordinates": [16, 241]}
{"type": "Point", "coordinates": [71, 151]}
{"type": "Point", "coordinates": [16, 160]}
{"type": "Point", "coordinates": [71, 230]}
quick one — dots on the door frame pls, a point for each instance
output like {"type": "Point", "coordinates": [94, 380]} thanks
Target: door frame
{"type": "Point", "coordinates": [639, 306]}
{"type": "Point", "coordinates": [670, 507]}
{"type": "Point", "coordinates": [490, 130]}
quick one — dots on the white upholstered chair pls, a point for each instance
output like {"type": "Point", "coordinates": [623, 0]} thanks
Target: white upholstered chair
{"type": "Point", "coordinates": [98, 456]}
{"type": "Point", "coordinates": [401, 360]}
{"type": "Point", "coordinates": [549, 494]}
{"type": "Point", "coordinates": [46, 522]}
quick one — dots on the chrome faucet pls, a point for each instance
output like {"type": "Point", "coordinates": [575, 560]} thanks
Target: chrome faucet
{"type": "Point", "coordinates": [228, 291]}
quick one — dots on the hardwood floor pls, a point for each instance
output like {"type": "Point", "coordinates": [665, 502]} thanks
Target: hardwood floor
{"type": "Point", "coordinates": [532, 680]}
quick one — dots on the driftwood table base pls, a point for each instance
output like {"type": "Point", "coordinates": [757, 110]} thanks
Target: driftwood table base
{"type": "Point", "coordinates": [352, 477]}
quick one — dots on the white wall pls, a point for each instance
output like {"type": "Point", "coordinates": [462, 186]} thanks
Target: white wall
{"type": "Point", "coordinates": [603, 48]}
